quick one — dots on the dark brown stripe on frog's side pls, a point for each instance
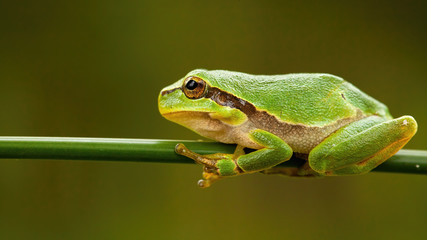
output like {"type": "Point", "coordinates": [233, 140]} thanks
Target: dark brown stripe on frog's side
{"type": "Point", "coordinates": [170, 91]}
{"type": "Point", "coordinates": [229, 100]}
{"type": "Point", "coordinates": [261, 119]}
{"type": "Point", "coordinates": [292, 133]}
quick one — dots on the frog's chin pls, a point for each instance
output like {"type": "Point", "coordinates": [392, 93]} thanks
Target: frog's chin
{"type": "Point", "coordinates": [200, 122]}
{"type": "Point", "coordinates": [206, 126]}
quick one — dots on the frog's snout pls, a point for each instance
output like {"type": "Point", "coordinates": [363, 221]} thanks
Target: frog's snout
{"type": "Point", "coordinates": [168, 91]}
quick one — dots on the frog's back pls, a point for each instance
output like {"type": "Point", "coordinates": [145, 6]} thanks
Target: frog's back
{"type": "Point", "coordinates": [310, 99]}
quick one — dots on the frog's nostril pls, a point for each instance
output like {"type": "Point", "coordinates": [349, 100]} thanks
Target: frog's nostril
{"type": "Point", "coordinates": [164, 92]}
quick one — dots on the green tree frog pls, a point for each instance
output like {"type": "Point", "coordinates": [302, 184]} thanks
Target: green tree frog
{"type": "Point", "coordinates": [336, 128]}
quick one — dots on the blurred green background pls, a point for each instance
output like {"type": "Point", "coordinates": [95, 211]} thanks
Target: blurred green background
{"type": "Point", "coordinates": [95, 68]}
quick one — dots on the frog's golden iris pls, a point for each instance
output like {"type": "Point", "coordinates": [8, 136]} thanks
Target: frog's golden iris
{"type": "Point", "coordinates": [194, 87]}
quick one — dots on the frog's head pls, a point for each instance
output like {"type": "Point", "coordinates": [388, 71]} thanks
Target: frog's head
{"type": "Point", "coordinates": [198, 103]}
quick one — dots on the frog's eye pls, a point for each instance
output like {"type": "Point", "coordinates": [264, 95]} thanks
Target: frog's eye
{"type": "Point", "coordinates": [194, 87]}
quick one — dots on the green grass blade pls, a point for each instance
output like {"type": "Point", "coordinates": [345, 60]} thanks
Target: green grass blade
{"type": "Point", "coordinates": [154, 150]}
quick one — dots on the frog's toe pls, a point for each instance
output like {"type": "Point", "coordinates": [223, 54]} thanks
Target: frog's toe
{"type": "Point", "coordinates": [209, 177]}
{"type": "Point", "coordinates": [203, 183]}
{"type": "Point", "coordinates": [181, 149]}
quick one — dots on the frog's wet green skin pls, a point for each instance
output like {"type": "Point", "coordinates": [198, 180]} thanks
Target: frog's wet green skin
{"type": "Point", "coordinates": [341, 129]}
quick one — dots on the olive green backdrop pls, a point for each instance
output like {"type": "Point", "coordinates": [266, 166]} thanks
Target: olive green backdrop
{"type": "Point", "coordinates": [94, 69]}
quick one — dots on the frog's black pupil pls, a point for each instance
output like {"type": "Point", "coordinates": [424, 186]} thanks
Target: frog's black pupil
{"type": "Point", "coordinates": [191, 85]}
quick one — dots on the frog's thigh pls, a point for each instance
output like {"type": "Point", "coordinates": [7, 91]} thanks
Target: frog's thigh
{"type": "Point", "coordinates": [274, 152]}
{"type": "Point", "coordinates": [362, 145]}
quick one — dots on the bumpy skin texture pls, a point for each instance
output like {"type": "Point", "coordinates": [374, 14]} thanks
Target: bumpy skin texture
{"type": "Point", "coordinates": [341, 129]}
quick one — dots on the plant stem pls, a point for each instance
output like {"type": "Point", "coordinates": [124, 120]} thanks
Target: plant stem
{"type": "Point", "coordinates": [161, 151]}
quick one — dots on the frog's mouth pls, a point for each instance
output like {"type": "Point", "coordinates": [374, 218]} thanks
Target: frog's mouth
{"type": "Point", "coordinates": [199, 122]}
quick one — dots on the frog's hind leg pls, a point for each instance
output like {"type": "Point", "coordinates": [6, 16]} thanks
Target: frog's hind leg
{"type": "Point", "coordinates": [362, 145]}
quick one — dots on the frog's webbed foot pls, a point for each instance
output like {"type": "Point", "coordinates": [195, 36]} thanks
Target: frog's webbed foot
{"type": "Point", "coordinates": [209, 176]}
{"type": "Point", "coordinates": [211, 172]}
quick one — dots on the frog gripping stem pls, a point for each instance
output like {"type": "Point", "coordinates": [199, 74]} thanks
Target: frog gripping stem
{"type": "Point", "coordinates": [215, 165]}
{"type": "Point", "coordinates": [181, 149]}
{"type": "Point", "coordinates": [220, 165]}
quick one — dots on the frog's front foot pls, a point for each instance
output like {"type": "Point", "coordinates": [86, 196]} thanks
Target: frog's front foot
{"type": "Point", "coordinates": [181, 149]}
{"type": "Point", "coordinates": [210, 175]}
{"type": "Point", "coordinates": [215, 165]}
